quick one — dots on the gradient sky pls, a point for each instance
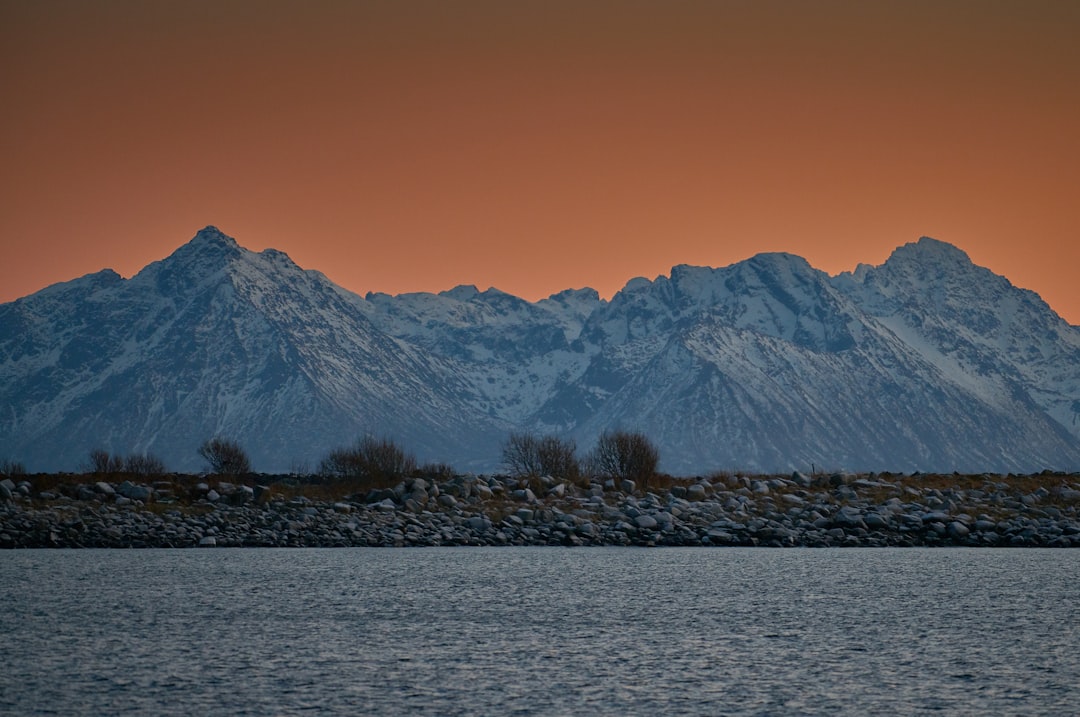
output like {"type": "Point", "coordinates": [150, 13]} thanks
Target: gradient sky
{"type": "Point", "coordinates": [536, 146]}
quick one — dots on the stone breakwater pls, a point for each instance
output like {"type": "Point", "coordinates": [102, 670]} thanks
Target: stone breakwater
{"type": "Point", "coordinates": [777, 511]}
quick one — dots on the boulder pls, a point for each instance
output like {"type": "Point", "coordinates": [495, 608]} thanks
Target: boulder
{"type": "Point", "coordinates": [524, 494]}
{"type": "Point", "coordinates": [478, 523]}
{"type": "Point", "coordinates": [104, 488]}
{"type": "Point", "coordinates": [645, 521]}
{"type": "Point", "coordinates": [208, 542]}
{"type": "Point", "coordinates": [696, 492]}
{"type": "Point", "coordinates": [875, 522]}
{"type": "Point", "coordinates": [957, 529]}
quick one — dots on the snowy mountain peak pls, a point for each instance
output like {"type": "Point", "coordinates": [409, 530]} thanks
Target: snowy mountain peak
{"type": "Point", "coordinates": [925, 362]}
{"type": "Point", "coordinates": [209, 243]}
{"type": "Point", "coordinates": [210, 235]}
{"type": "Point", "coordinates": [930, 251]}
{"type": "Point", "coordinates": [461, 292]}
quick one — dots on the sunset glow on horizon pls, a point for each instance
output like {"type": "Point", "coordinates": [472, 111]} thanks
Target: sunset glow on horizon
{"type": "Point", "coordinates": [539, 146]}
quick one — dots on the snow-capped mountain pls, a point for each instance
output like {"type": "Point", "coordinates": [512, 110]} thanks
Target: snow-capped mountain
{"type": "Point", "coordinates": [927, 362]}
{"type": "Point", "coordinates": [218, 340]}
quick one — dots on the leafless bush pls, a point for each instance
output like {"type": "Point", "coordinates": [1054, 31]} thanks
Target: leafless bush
{"type": "Point", "coordinates": [225, 457]}
{"type": "Point", "coordinates": [436, 471]}
{"type": "Point", "coordinates": [12, 468]}
{"type": "Point", "coordinates": [370, 460]}
{"type": "Point", "coordinates": [144, 465]}
{"type": "Point", "coordinates": [102, 462]}
{"type": "Point", "coordinates": [105, 463]}
{"type": "Point", "coordinates": [625, 455]}
{"type": "Point", "coordinates": [529, 456]}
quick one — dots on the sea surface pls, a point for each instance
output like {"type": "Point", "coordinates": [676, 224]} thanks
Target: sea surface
{"type": "Point", "coordinates": [540, 631]}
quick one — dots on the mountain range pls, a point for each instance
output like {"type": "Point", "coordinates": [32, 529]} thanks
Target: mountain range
{"type": "Point", "coordinates": [927, 362]}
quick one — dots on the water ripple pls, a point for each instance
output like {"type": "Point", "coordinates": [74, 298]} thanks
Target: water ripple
{"type": "Point", "coordinates": [539, 631]}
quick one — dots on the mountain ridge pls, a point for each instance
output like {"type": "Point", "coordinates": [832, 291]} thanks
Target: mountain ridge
{"type": "Point", "coordinates": [926, 362]}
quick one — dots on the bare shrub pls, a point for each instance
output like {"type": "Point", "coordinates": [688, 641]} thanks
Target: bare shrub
{"type": "Point", "coordinates": [529, 456]}
{"type": "Point", "coordinates": [144, 465]}
{"type": "Point", "coordinates": [625, 455]}
{"type": "Point", "coordinates": [12, 468]}
{"type": "Point", "coordinates": [370, 461]}
{"type": "Point", "coordinates": [225, 457]}
{"type": "Point", "coordinates": [101, 462]}
{"type": "Point", "coordinates": [436, 471]}
{"type": "Point", "coordinates": [521, 455]}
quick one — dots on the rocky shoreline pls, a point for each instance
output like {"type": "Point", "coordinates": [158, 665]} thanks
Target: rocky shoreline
{"type": "Point", "coordinates": [874, 510]}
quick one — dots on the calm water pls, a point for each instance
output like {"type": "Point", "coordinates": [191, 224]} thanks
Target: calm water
{"type": "Point", "coordinates": [536, 631]}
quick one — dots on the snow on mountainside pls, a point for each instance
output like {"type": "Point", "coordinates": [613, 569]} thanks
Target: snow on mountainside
{"type": "Point", "coordinates": [999, 341]}
{"type": "Point", "coordinates": [926, 362]}
{"type": "Point", "coordinates": [217, 340]}
{"type": "Point", "coordinates": [765, 364]}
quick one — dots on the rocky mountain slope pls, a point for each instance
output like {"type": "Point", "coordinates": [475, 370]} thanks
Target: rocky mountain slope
{"type": "Point", "coordinates": [927, 362]}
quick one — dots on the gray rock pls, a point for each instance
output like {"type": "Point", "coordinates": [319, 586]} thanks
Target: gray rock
{"type": "Point", "coordinates": [104, 488]}
{"type": "Point", "coordinates": [213, 496]}
{"type": "Point", "coordinates": [696, 492]}
{"type": "Point", "coordinates": [627, 486]}
{"type": "Point", "coordinates": [208, 542]}
{"type": "Point", "coordinates": [957, 529]}
{"type": "Point", "coordinates": [645, 521]}
{"type": "Point", "coordinates": [5, 491]}
{"type": "Point", "coordinates": [875, 522]}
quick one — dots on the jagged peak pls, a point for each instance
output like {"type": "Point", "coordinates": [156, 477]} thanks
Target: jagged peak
{"type": "Point", "coordinates": [930, 250]}
{"type": "Point", "coordinates": [461, 292]}
{"type": "Point", "coordinates": [780, 260]}
{"type": "Point", "coordinates": [208, 242]}
{"type": "Point", "coordinates": [212, 235]}
{"type": "Point", "coordinates": [638, 283]}
{"type": "Point", "coordinates": [583, 294]}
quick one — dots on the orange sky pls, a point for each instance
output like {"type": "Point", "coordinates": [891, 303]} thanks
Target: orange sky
{"type": "Point", "coordinates": [536, 146]}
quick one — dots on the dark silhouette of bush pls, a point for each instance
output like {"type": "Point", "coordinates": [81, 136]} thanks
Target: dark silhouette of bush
{"type": "Point", "coordinates": [529, 456]}
{"type": "Point", "coordinates": [103, 463]}
{"type": "Point", "coordinates": [370, 461]}
{"type": "Point", "coordinates": [144, 465]}
{"type": "Point", "coordinates": [11, 469]}
{"type": "Point", "coordinates": [625, 455]}
{"type": "Point", "coordinates": [225, 457]}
